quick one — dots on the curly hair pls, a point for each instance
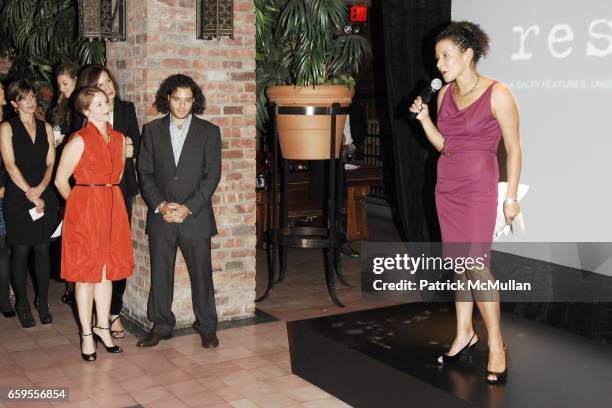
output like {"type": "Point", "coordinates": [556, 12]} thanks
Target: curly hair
{"type": "Point", "coordinates": [170, 84]}
{"type": "Point", "coordinates": [466, 35]}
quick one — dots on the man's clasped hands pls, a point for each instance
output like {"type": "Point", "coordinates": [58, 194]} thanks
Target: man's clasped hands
{"type": "Point", "coordinates": [174, 212]}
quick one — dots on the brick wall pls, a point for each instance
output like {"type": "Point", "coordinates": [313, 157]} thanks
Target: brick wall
{"type": "Point", "coordinates": [160, 42]}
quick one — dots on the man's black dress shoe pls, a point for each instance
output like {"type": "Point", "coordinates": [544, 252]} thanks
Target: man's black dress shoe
{"type": "Point", "coordinates": [209, 340]}
{"type": "Point", "coordinates": [152, 339]}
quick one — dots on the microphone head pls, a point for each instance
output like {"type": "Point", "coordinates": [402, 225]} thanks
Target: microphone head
{"type": "Point", "coordinates": [436, 84]}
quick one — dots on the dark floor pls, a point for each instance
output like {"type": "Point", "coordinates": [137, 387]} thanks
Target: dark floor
{"type": "Point", "coordinates": [548, 366]}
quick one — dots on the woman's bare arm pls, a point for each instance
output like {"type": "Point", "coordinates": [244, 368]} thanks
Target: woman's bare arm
{"type": "Point", "coordinates": [70, 158]}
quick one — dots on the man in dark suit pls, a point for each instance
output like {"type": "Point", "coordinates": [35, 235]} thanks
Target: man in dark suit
{"type": "Point", "coordinates": [179, 165]}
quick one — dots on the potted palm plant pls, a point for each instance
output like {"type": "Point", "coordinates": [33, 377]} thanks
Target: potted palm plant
{"type": "Point", "coordinates": [305, 58]}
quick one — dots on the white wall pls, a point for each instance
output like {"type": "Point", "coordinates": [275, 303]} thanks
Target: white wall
{"type": "Point", "coordinates": [557, 58]}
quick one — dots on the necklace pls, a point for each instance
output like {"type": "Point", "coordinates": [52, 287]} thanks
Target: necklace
{"type": "Point", "coordinates": [461, 95]}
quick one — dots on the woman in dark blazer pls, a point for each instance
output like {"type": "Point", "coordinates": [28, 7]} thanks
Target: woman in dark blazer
{"type": "Point", "coordinates": [123, 119]}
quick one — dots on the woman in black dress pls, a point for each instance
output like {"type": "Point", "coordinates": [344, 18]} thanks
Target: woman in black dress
{"type": "Point", "coordinates": [68, 121]}
{"type": "Point", "coordinates": [5, 278]}
{"type": "Point", "coordinates": [30, 205]}
{"type": "Point", "coordinates": [123, 119]}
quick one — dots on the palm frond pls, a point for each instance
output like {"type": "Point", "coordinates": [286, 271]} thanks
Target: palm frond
{"type": "Point", "coordinates": [350, 52]}
{"type": "Point", "coordinates": [39, 34]}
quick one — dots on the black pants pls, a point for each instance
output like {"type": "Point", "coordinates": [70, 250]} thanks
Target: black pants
{"type": "Point", "coordinates": [19, 272]}
{"type": "Point", "coordinates": [119, 285]}
{"type": "Point", "coordinates": [5, 276]}
{"type": "Point", "coordinates": [163, 247]}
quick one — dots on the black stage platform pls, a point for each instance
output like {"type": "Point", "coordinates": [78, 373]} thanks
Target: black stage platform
{"type": "Point", "coordinates": [386, 358]}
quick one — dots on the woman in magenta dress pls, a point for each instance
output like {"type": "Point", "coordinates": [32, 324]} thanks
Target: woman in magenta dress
{"type": "Point", "coordinates": [474, 114]}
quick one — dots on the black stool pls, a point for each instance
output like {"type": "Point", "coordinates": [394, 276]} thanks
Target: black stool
{"type": "Point", "coordinates": [329, 238]}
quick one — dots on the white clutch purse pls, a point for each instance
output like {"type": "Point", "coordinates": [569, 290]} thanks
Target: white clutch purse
{"type": "Point", "coordinates": [501, 228]}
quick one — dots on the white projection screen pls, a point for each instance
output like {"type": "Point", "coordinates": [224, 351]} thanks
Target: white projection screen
{"type": "Point", "coordinates": [557, 58]}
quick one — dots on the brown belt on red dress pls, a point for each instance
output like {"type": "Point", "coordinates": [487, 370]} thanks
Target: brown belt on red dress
{"type": "Point", "coordinates": [96, 185]}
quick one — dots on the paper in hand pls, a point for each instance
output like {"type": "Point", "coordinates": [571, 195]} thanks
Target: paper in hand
{"type": "Point", "coordinates": [35, 214]}
{"type": "Point", "coordinates": [501, 228]}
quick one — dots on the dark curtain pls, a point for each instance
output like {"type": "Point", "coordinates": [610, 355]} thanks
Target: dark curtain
{"type": "Point", "coordinates": [409, 28]}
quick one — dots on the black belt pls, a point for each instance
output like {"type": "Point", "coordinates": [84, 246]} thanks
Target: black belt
{"type": "Point", "coordinates": [96, 185]}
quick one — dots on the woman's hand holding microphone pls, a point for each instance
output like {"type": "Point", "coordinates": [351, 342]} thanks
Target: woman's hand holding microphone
{"type": "Point", "coordinates": [421, 109]}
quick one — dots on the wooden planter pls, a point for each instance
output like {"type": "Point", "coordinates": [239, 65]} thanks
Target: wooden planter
{"type": "Point", "coordinates": [307, 137]}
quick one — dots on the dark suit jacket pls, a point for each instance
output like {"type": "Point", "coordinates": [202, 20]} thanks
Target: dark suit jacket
{"type": "Point", "coordinates": [191, 183]}
{"type": "Point", "coordinates": [125, 121]}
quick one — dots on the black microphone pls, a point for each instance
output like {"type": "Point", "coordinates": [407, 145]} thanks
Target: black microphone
{"type": "Point", "coordinates": [427, 93]}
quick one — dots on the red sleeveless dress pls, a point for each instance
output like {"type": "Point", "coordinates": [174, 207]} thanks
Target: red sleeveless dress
{"type": "Point", "coordinates": [96, 230]}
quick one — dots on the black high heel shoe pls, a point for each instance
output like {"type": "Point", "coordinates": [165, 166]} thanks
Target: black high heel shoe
{"type": "Point", "coordinates": [469, 347]}
{"type": "Point", "coordinates": [500, 378]}
{"type": "Point", "coordinates": [68, 298]}
{"type": "Point", "coordinates": [118, 334]}
{"type": "Point", "coordinates": [87, 357]}
{"type": "Point", "coordinates": [111, 349]}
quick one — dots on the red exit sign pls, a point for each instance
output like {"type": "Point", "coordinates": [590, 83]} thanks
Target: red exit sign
{"type": "Point", "coordinates": [359, 14]}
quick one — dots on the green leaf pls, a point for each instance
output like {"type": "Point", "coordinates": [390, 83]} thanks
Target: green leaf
{"type": "Point", "coordinates": [40, 34]}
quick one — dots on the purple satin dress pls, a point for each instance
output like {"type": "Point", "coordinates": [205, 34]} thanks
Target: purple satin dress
{"type": "Point", "coordinates": [468, 172]}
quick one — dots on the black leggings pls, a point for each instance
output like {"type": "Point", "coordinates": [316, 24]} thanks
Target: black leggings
{"type": "Point", "coordinates": [19, 271]}
{"type": "Point", "coordinates": [5, 275]}
{"type": "Point", "coordinates": [120, 285]}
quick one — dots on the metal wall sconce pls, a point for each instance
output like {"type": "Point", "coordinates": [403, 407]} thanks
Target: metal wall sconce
{"type": "Point", "coordinates": [214, 19]}
{"type": "Point", "coordinates": [102, 19]}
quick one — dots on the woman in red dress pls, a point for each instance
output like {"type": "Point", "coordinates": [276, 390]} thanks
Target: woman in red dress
{"type": "Point", "coordinates": [96, 239]}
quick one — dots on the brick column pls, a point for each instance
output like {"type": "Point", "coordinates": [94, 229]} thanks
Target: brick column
{"type": "Point", "coordinates": [161, 41]}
